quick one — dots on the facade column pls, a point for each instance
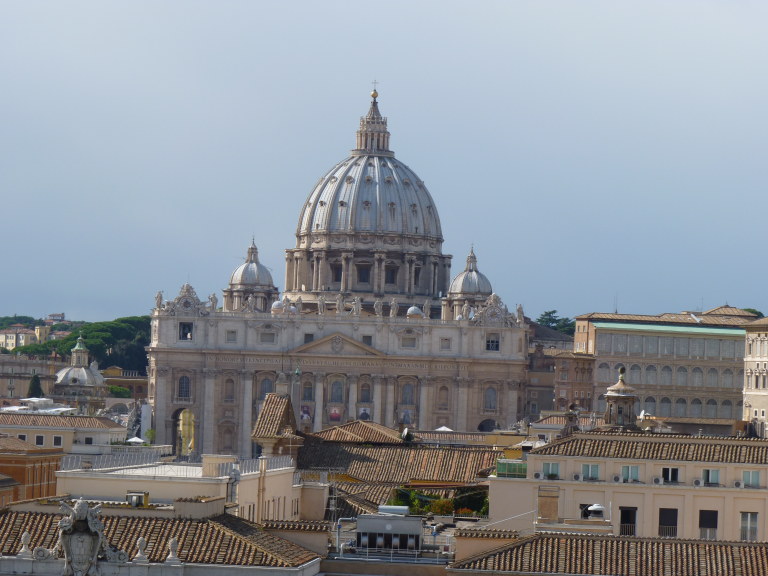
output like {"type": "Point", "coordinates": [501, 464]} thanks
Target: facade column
{"type": "Point", "coordinates": [319, 402]}
{"type": "Point", "coordinates": [407, 276]}
{"type": "Point", "coordinates": [378, 271]}
{"type": "Point", "coordinates": [390, 419]}
{"type": "Point", "coordinates": [377, 397]}
{"type": "Point", "coordinates": [352, 380]}
{"type": "Point", "coordinates": [512, 395]}
{"type": "Point", "coordinates": [346, 257]}
{"type": "Point", "coordinates": [246, 417]}
{"type": "Point", "coordinates": [321, 271]}
{"type": "Point", "coordinates": [288, 271]}
{"type": "Point", "coordinates": [206, 412]}
{"type": "Point", "coordinates": [424, 387]}
{"type": "Point", "coordinates": [163, 395]}
{"type": "Point", "coordinates": [463, 403]}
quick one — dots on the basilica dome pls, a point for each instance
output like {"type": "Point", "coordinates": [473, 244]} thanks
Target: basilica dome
{"type": "Point", "coordinates": [471, 280]}
{"type": "Point", "coordinates": [251, 273]}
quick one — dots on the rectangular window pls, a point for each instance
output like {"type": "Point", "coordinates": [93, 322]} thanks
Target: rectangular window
{"type": "Point", "coordinates": [711, 477]}
{"type": "Point", "coordinates": [368, 340]}
{"type": "Point", "coordinates": [751, 478]}
{"type": "Point", "coordinates": [551, 470]}
{"type": "Point", "coordinates": [670, 475]}
{"type": "Point", "coordinates": [749, 526]}
{"type": "Point", "coordinates": [668, 522]}
{"type": "Point", "coordinates": [185, 330]}
{"type": "Point", "coordinates": [23, 437]}
{"type": "Point", "coordinates": [708, 524]}
{"type": "Point", "coordinates": [308, 338]}
{"type": "Point", "coordinates": [267, 337]}
{"type": "Point", "coordinates": [57, 441]}
{"type": "Point", "coordinates": [390, 275]}
{"type": "Point", "coordinates": [590, 471]}
{"type": "Point", "coordinates": [445, 343]}
{"type": "Point", "coordinates": [408, 342]}
{"type": "Point", "coordinates": [89, 440]}
{"type": "Point", "coordinates": [39, 440]}
{"type": "Point", "coordinates": [336, 273]}
{"type": "Point", "coordinates": [364, 273]}
{"type": "Point", "coordinates": [630, 473]}
{"type": "Point", "coordinates": [492, 342]}
{"type": "Point", "coordinates": [681, 346]}
{"type": "Point", "coordinates": [231, 336]}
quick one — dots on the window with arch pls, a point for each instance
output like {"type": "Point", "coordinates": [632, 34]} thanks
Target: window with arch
{"type": "Point", "coordinates": [184, 388]}
{"type": "Point", "coordinates": [266, 387]}
{"type": "Point", "coordinates": [711, 408]}
{"type": "Point", "coordinates": [712, 377]}
{"type": "Point", "coordinates": [227, 439]}
{"type": "Point", "coordinates": [307, 392]}
{"type": "Point", "coordinates": [229, 391]}
{"type": "Point", "coordinates": [650, 405]}
{"type": "Point", "coordinates": [681, 407]}
{"type": "Point", "coordinates": [604, 372]}
{"type": "Point", "coordinates": [666, 376]}
{"type": "Point", "coordinates": [601, 403]}
{"type": "Point", "coordinates": [337, 392]}
{"type": "Point", "coordinates": [650, 375]}
{"type": "Point", "coordinates": [365, 392]}
{"type": "Point", "coordinates": [665, 407]}
{"type": "Point", "coordinates": [726, 409]}
{"type": "Point", "coordinates": [406, 394]}
{"type": "Point", "coordinates": [635, 374]}
{"type": "Point", "coordinates": [682, 376]}
{"type": "Point", "coordinates": [443, 398]}
{"type": "Point", "coordinates": [728, 379]}
{"type": "Point", "coordinates": [696, 408]}
{"type": "Point", "coordinates": [489, 399]}
{"type": "Point", "coordinates": [697, 377]}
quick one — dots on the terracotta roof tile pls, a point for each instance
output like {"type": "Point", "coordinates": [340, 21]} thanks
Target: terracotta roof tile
{"type": "Point", "coordinates": [599, 555]}
{"type": "Point", "coordinates": [681, 318]}
{"type": "Point", "coordinates": [679, 447]}
{"type": "Point", "coordinates": [360, 431]}
{"type": "Point", "coordinates": [223, 539]}
{"type": "Point", "coordinates": [51, 421]}
{"type": "Point", "coordinates": [276, 419]}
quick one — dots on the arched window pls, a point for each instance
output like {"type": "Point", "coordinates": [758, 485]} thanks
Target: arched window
{"type": "Point", "coordinates": [696, 408]}
{"type": "Point", "coordinates": [726, 409]}
{"type": "Point", "coordinates": [365, 392]}
{"type": "Point", "coordinates": [489, 399]}
{"type": "Point", "coordinates": [650, 375]}
{"type": "Point", "coordinates": [337, 392]}
{"type": "Point", "coordinates": [665, 407]}
{"type": "Point", "coordinates": [604, 373]}
{"type": "Point", "coordinates": [682, 376]}
{"type": "Point", "coordinates": [712, 377]}
{"type": "Point", "coordinates": [635, 374]}
{"type": "Point", "coordinates": [266, 387]}
{"type": "Point", "coordinates": [650, 405]}
{"type": "Point", "coordinates": [227, 440]}
{"type": "Point", "coordinates": [711, 408]}
{"type": "Point", "coordinates": [307, 392]}
{"type": "Point", "coordinates": [406, 394]}
{"type": "Point", "coordinates": [681, 407]}
{"type": "Point", "coordinates": [229, 390]}
{"type": "Point", "coordinates": [666, 376]}
{"type": "Point", "coordinates": [601, 403]}
{"type": "Point", "coordinates": [728, 379]}
{"type": "Point", "coordinates": [697, 377]}
{"type": "Point", "coordinates": [184, 391]}
{"type": "Point", "coordinates": [443, 398]}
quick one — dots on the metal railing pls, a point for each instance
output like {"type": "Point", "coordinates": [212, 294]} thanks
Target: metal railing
{"type": "Point", "coordinates": [668, 531]}
{"type": "Point", "coordinates": [627, 530]}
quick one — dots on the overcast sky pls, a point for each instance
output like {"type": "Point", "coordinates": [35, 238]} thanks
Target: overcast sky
{"type": "Point", "coordinates": [596, 154]}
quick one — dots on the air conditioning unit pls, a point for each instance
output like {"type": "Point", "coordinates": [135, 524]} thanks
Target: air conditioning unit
{"type": "Point", "coordinates": [617, 478]}
{"type": "Point", "coordinates": [697, 482]}
{"type": "Point", "coordinates": [738, 484]}
{"type": "Point", "coordinates": [537, 475]}
{"type": "Point", "coordinates": [577, 477]}
{"type": "Point", "coordinates": [658, 480]}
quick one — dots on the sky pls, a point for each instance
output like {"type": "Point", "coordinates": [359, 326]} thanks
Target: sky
{"type": "Point", "coordinates": [599, 156]}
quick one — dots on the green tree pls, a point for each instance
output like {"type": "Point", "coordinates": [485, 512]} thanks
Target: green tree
{"type": "Point", "coordinates": [35, 387]}
{"type": "Point", "coordinates": [119, 392]}
{"type": "Point", "coordinates": [755, 312]}
{"type": "Point", "coordinates": [550, 319]}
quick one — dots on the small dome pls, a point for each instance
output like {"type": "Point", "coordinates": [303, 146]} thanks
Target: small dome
{"type": "Point", "coordinates": [79, 376]}
{"type": "Point", "coordinates": [277, 307]}
{"type": "Point", "coordinates": [471, 280]}
{"type": "Point", "coordinates": [414, 312]}
{"type": "Point", "coordinates": [621, 388]}
{"type": "Point", "coordinates": [252, 273]}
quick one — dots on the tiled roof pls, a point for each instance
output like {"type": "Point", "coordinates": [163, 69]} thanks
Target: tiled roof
{"type": "Point", "coordinates": [399, 464]}
{"type": "Point", "coordinates": [299, 526]}
{"type": "Point", "coordinates": [50, 421]}
{"type": "Point", "coordinates": [13, 444]}
{"type": "Point", "coordinates": [360, 431]}
{"type": "Point", "coordinates": [597, 555]}
{"type": "Point", "coordinates": [679, 447]}
{"type": "Point", "coordinates": [223, 539]}
{"type": "Point", "coordinates": [561, 420]}
{"type": "Point", "coordinates": [685, 318]}
{"type": "Point", "coordinates": [435, 437]}
{"type": "Point", "coordinates": [276, 419]}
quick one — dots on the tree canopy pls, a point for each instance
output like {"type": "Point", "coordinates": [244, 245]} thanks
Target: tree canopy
{"type": "Point", "coordinates": [35, 387]}
{"type": "Point", "coordinates": [550, 319]}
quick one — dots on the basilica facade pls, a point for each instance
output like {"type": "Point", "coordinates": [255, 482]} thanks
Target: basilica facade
{"type": "Point", "coordinates": [371, 324]}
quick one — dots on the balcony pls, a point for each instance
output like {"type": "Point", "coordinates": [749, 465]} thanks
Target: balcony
{"type": "Point", "coordinates": [627, 530]}
{"type": "Point", "coordinates": [668, 531]}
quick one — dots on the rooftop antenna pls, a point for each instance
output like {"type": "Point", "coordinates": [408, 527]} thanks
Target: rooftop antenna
{"type": "Point", "coordinates": [616, 303]}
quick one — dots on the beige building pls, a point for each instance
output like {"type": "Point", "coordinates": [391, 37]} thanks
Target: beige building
{"type": "Point", "coordinates": [371, 325]}
{"type": "Point", "coordinates": [687, 368]}
{"type": "Point", "coordinates": [756, 376]}
{"type": "Point", "coordinates": [17, 370]}
{"type": "Point", "coordinates": [71, 434]}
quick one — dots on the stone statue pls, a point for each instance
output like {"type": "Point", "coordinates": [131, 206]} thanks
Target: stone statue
{"type": "Point", "coordinates": [356, 306]}
{"type": "Point", "coordinates": [299, 304]}
{"type": "Point", "coordinates": [377, 307]}
{"type": "Point", "coordinates": [428, 308]}
{"type": "Point", "coordinates": [81, 536]}
{"type": "Point", "coordinates": [393, 306]}
{"type": "Point", "coordinates": [214, 302]}
{"type": "Point", "coordinates": [339, 303]}
{"type": "Point", "coordinates": [159, 299]}
{"type": "Point", "coordinates": [466, 310]}
{"type": "Point", "coordinates": [321, 305]}
{"type": "Point", "coordinates": [286, 304]}
{"type": "Point", "coordinates": [250, 303]}
{"type": "Point", "coordinates": [520, 315]}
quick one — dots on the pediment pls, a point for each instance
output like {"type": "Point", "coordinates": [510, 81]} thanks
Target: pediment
{"type": "Point", "coordinates": [337, 344]}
